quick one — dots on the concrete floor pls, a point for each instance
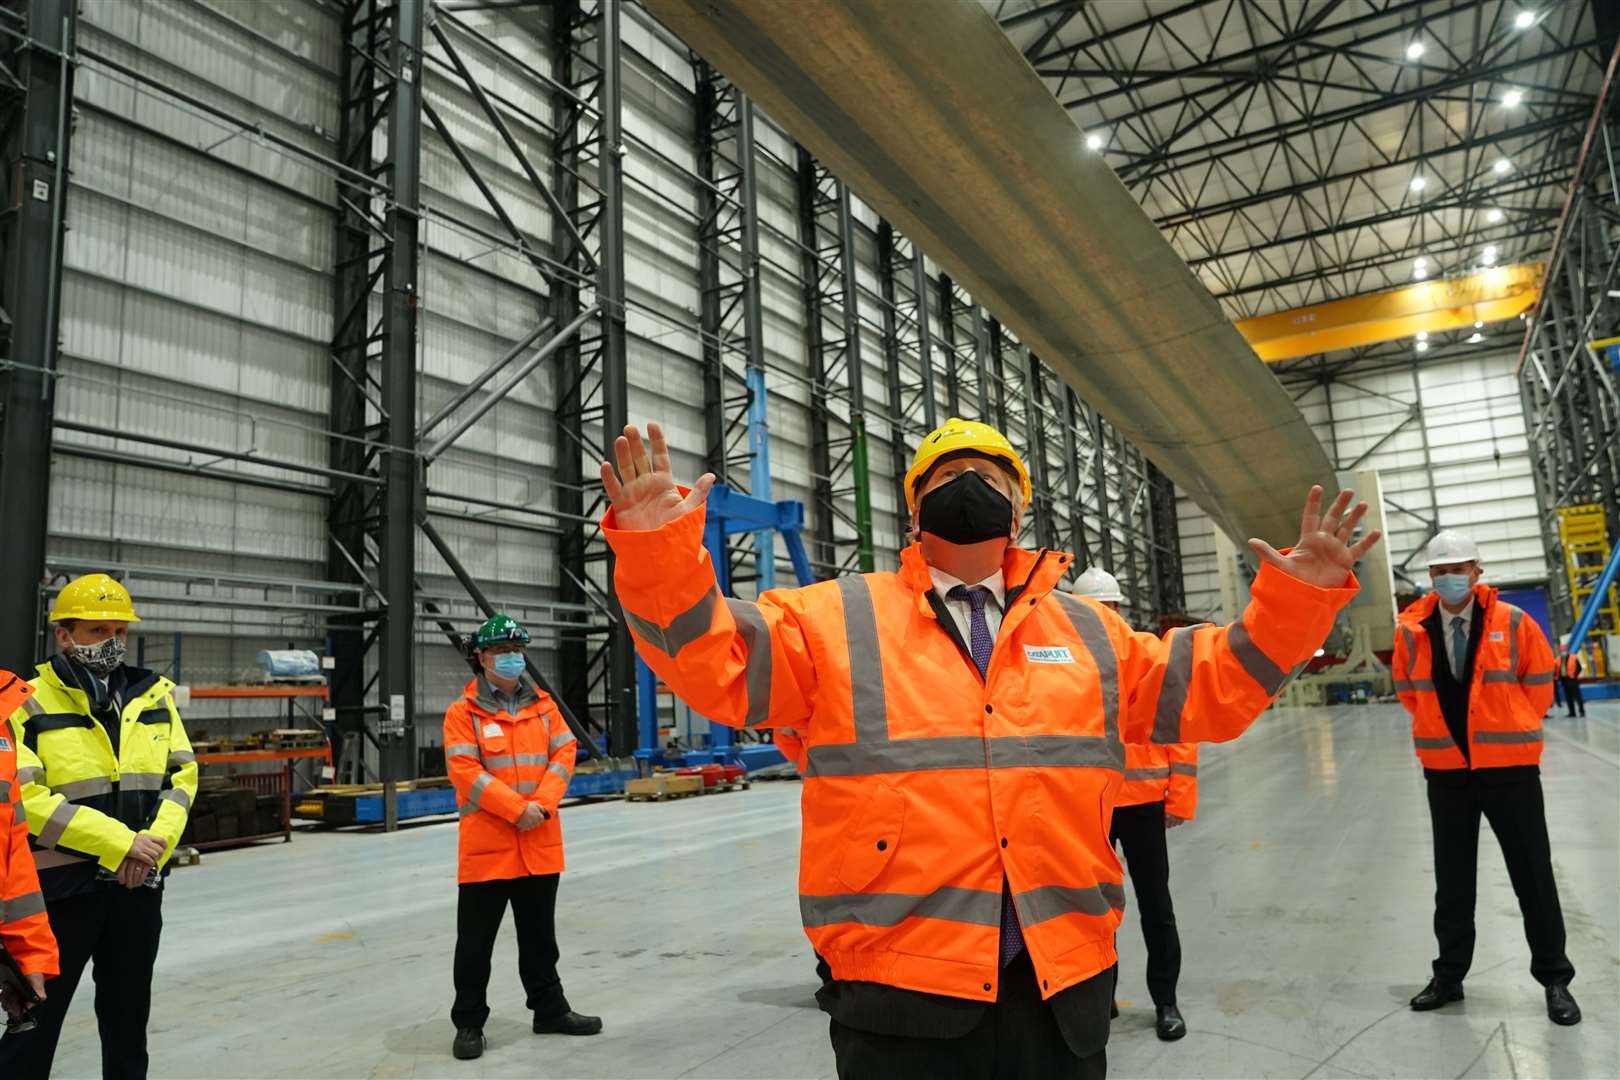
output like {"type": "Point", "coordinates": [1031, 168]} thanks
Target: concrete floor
{"type": "Point", "coordinates": [1303, 891]}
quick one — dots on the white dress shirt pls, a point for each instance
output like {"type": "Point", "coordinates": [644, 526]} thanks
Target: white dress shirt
{"type": "Point", "coordinates": [1447, 634]}
{"type": "Point", "coordinates": [962, 612]}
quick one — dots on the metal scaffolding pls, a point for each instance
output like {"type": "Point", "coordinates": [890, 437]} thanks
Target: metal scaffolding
{"type": "Point", "coordinates": [1569, 363]}
{"type": "Point", "coordinates": [36, 126]}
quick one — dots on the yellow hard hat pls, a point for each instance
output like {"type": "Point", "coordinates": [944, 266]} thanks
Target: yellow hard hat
{"type": "Point", "coordinates": [955, 436]}
{"type": "Point", "coordinates": [94, 598]}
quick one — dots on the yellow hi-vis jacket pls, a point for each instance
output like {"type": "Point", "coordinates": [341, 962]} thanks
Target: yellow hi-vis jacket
{"type": "Point", "coordinates": [85, 804]}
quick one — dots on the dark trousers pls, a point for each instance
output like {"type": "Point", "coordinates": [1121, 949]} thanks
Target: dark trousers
{"type": "Point", "coordinates": [1518, 817]}
{"type": "Point", "coordinates": [1573, 698]}
{"type": "Point", "coordinates": [479, 910]}
{"type": "Point", "coordinates": [1018, 1039]}
{"type": "Point", "coordinates": [116, 929]}
{"type": "Point", "coordinates": [1139, 832]}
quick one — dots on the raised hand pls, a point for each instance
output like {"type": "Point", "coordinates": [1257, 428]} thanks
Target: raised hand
{"type": "Point", "coordinates": [643, 489]}
{"type": "Point", "coordinates": [1323, 556]}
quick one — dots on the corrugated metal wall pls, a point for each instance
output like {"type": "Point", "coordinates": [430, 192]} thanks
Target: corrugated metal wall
{"type": "Point", "coordinates": [1461, 459]}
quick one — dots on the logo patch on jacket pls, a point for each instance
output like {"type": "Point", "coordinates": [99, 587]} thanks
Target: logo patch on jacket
{"type": "Point", "coordinates": [492, 730]}
{"type": "Point", "coordinates": [1048, 654]}
{"type": "Point", "coordinates": [1497, 635]}
{"type": "Point", "coordinates": [5, 743]}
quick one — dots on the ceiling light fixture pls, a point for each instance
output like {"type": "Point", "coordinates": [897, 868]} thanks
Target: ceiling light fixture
{"type": "Point", "coordinates": [1524, 20]}
{"type": "Point", "coordinates": [1094, 141]}
{"type": "Point", "coordinates": [1502, 165]}
{"type": "Point", "coordinates": [1418, 183]}
{"type": "Point", "coordinates": [1423, 335]}
{"type": "Point", "coordinates": [1494, 216]}
{"type": "Point", "coordinates": [1422, 346]}
{"type": "Point", "coordinates": [1512, 98]}
{"type": "Point", "coordinates": [1414, 50]}
{"type": "Point", "coordinates": [1479, 325]}
{"type": "Point", "coordinates": [1476, 338]}
{"type": "Point", "coordinates": [1488, 256]}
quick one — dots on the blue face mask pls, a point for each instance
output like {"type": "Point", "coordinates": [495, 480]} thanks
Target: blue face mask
{"type": "Point", "coordinates": [509, 665]}
{"type": "Point", "coordinates": [1453, 588]}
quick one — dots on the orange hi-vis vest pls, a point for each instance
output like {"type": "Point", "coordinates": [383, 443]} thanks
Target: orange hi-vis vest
{"type": "Point", "coordinates": [1167, 774]}
{"type": "Point", "coordinates": [1511, 689]}
{"type": "Point", "coordinates": [1572, 666]}
{"type": "Point", "coordinates": [25, 929]}
{"type": "Point", "coordinates": [499, 763]}
{"type": "Point", "coordinates": [924, 786]}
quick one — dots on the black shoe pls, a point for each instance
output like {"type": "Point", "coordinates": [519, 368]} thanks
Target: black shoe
{"type": "Point", "coordinates": [1436, 994]}
{"type": "Point", "coordinates": [569, 1023]}
{"type": "Point", "coordinates": [1170, 1026]}
{"type": "Point", "coordinates": [1113, 1011]}
{"type": "Point", "coordinates": [469, 1044]}
{"type": "Point", "coordinates": [1561, 1007]}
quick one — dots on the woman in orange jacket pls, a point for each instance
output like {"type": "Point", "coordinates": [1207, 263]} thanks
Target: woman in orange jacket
{"type": "Point", "coordinates": [25, 930]}
{"type": "Point", "coordinates": [963, 723]}
{"type": "Point", "coordinates": [510, 756]}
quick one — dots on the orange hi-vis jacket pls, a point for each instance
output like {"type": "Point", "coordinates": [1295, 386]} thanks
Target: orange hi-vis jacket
{"type": "Point", "coordinates": [499, 763]}
{"type": "Point", "coordinates": [925, 786]}
{"type": "Point", "coordinates": [1167, 774]}
{"type": "Point", "coordinates": [1512, 686]}
{"type": "Point", "coordinates": [25, 929]}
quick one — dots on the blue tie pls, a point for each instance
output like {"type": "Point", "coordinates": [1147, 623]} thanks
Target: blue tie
{"type": "Point", "coordinates": [981, 644]}
{"type": "Point", "coordinates": [1459, 648]}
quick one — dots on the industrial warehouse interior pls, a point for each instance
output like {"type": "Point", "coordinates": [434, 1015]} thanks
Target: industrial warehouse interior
{"type": "Point", "coordinates": [830, 511]}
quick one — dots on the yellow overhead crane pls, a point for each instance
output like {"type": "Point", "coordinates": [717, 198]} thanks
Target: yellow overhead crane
{"type": "Point", "coordinates": [1489, 296]}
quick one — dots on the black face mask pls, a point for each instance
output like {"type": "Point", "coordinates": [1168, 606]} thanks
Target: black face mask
{"type": "Point", "coordinates": [966, 511]}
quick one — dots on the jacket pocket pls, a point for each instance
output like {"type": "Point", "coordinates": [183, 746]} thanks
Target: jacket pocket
{"type": "Point", "coordinates": [873, 835]}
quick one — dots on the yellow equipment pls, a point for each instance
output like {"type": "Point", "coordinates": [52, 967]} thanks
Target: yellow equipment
{"type": "Point", "coordinates": [1494, 295]}
{"type": "Point", "coordinates": [94, 598]}
{"type": "Point", "coordinates": [1584, 532]}
{"type": "Point", "coordinates": [956, 435]}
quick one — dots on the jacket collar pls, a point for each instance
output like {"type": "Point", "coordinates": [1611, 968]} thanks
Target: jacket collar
{"type": "Point", "coordinates": [1421, 610]}
{"type": "Point", "coordinates": [481, 694]}
{"type": "Point", "coordinates": [1027, 573]}
{"type": "Point", "coordinates": [126, 684]}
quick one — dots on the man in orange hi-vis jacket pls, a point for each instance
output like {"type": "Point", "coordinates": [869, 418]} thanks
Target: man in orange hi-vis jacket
{"type": "Point", "coordinates": [510, 756]}
{"type": "Point", "coordinates": [25, 930]}
{"type": "Point", "coordinates": [964, 724]}
{"type": "Point", "coordinates": [1476, 673]}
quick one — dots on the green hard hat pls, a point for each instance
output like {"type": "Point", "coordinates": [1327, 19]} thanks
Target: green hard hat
{"type": "Point", "coordinates": [500, 630]}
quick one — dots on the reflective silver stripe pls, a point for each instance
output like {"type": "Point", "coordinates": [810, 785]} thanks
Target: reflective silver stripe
{"type": "Point", "coordinates": [499, 761]}
{"type": "Point", "coordinates": [1444, 742]}
{"type": "Point", "coordinates": [83, 789]}
{"type": "Point", "coordinates": [684, 629]}
{"type": "Point", "coordinates": [1413, 686]}
{"type": "Point", "coordinates": [1173, 692]}
{"type": "Point", "coordinates": [478, 786]}
{"type": "Point", "coordinates": [141, 781]}
{"type": "Point", "coordinates": [1089, 625]}
{"type": "Point", "coordinates": [181, 757]}
{"type": "Point", "coordinates": [31, 775]}
{"type": "Point", "coordinates": [177, 796]}
{"type": "Point", "coordinates": [949, 902]}
{"type": "Point", "coordinates": [756, 638]}
{"type": "Point", "coordinates": [559, 769]}
{"type": "Point", "coordinates": [1495, 676]}
{"type": "Point", "coordinates": [1411, 645]}
{"type": "Point", "coordinates": [531, 759]}
{"type": "Point", "coordinates": [20, 907]}
{"type": "Point", "coordinates": [5, 791]}
{"type": "Point", "coordinates": [964, 752]}
{"type": "Point", "coordinates": [526, 787]}
{"type": "Point", "coordinates": [1539, 678]}
{"type": "Point", "coordinates": [1183, 768]}
{"type": "Point", "coordinates": [560, 741]}
{"type": "Point", "coordinates": [1147, 774]}
{"type": "Point", "coordinates": [56, 824]}
{"type": "Point", "coordinates": [1514, 616]}
{"type": "Point", "coordinates": [51, 860]}
{"type": "Point", "coordinates": [1054, 901]}
{"type": "Point", "coordinates": [867, 698]}
{"type": "Point", "coordinates": [467, 808]}
{"type": "Point", "coordinates": [1260, 667]}
{"type": "Point", "coordinates": [462, 749]}
{"type": "Point", "coordinates": [1508, 738]}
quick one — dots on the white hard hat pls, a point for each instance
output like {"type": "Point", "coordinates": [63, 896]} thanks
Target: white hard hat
{"type": "Point", "coordinates": [1099, 584]}
{"type": "Point", "coordinates": [1450, 547]}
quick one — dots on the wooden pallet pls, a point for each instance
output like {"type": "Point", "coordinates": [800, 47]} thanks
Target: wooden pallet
{"type": "Point", "coordinates": [735, 785]}
{"type": "Point", "coordinates": [186, 856]}
{"type": "Point", "coordinates": [659, 788]}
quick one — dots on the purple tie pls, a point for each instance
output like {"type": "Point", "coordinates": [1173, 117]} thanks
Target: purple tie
{"type": "Point", "coordinates": [981, 644]}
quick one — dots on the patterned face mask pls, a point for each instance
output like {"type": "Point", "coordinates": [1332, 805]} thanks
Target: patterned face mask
{"type": "Point", "coordinates": [103, 657]}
